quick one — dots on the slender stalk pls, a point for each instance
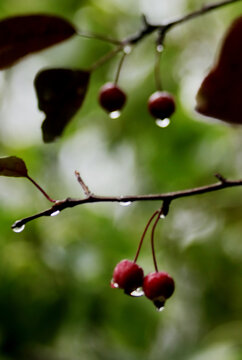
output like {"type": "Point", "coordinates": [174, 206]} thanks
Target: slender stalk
{"type": "Point", "coordinates": [157, 69]}
{"type": "Point", "coordinates": [98, 37]}
{"type": "Point", "coordinates": [40, 189]}
{"type": "Point", "coordinates": [119, 68]}
{"type": "Point", "coordinates": [143, 235]}
{"type": "Point", "coordinates": [152, 240]}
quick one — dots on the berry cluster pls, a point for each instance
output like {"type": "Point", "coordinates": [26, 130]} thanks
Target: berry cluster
{"type": "Point", "coordinates": [161, 104]}
{"type": "Point", "coordinates": [157, 286]}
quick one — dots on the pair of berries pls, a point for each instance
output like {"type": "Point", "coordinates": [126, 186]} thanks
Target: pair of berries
{"type": "Point", "coordinates": [161, 104]}
{"type": "Point", "coordinates": [157, 286]}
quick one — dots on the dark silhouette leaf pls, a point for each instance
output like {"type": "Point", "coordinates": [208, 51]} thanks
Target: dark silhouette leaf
{"type": "Point", "coordinates": [23, 35]}
{"type": "Point", "coordinates": [13, 166]}
{"type": "Point", "coordinates": [220, 95]}
{"type": "Point", "coordinates": [60, 94]}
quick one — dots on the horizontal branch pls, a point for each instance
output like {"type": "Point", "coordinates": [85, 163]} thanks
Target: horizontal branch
{"type": "Point", "coordinates": [60, 205]}
{"type": "Point", "coordinates": [163, 28]}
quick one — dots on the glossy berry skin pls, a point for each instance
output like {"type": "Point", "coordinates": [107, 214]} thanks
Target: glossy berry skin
{"type": "Point", "coordinates": [161, 105]}
{"type": "Point", "coordinates": [158, 286]}
{"type": "Point", "coordinates": [127, 275]}
{"type": "Point", "coordinates": [111, 97]}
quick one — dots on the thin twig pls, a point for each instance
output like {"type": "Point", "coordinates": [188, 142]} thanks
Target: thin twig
{"type": "Point", "coordinates": [170, 196]}
{"type": "Point", "coordinates": [163, 28]}
{"type": "Point", "coordinates": [85, 188]}
{"type": "Point", "coordinates": [40, 189]}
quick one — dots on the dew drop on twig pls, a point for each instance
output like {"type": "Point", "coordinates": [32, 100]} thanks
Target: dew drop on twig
{"type": "Point", "coordinates": [114, 114]}
{"type": "Point", "coordinates": [55, 213]}
{"type": "Point", "coordinates": [127, 49]}
{"type": "Point", "coordinates": [125, 203]}
{"type": "Point", "coordinates": [18, 229]}
{"type": "Point", "coordinates": [162, 123]}
{"type": "Point", "coordinates": [162, 216]}
{"type": "Point", "coordinates": [160, 48]}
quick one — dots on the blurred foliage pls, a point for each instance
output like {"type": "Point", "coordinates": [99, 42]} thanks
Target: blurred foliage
{"type": "Point", "coordinates": [55, 298]}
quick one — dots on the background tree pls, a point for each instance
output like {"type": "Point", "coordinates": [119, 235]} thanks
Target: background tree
{"type": "Point", "coordinates": [55, 297]}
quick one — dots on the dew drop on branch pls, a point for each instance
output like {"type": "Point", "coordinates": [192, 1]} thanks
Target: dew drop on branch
{"type": "Point", "coordinates": [125, 203]}
{"type": "Point", "coordinates": [127, 49]}
{"type": "Point", "coordinates": [55, 213]}
{"type": "Point", "coordinates": [18, 229]}
{"type": "Point", "coordinates": [159, 48]}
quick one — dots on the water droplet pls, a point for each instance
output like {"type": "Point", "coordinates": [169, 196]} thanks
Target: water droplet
{"type": "Point", "coordinates": [162, 123]}
{"type": "Point", "coordinates": [18, 229]}
{"type": "Point", "coordinates": [55, 213]}
{"type": "Point", "coordinates": [138, 292]}
{"type": "Point", "coordinates": [127, 49]}
{"type": "Point", "coordinates": [125, 203]}
{"type": "Point", "coordinates": [162, 216]}
{"type": "Point", "coordinates": [114, 114]}
{"type": "Point", "coordinates": [114, 285]}
{"type": "Point", "coordinates": [160, 48]}
{"type": "Point", "coordinates": [159, 304]}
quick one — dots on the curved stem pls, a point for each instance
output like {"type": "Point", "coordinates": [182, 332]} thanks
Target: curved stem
{"type": "Point", "coordinates": [119, 68]}
{"type": "Point", "coordinates": [152, 240]}
{"type": "Point", "coordinates": [98, 37]}
{"type": "Point", "coordinates": [143, 235]}
{"type": "Point", "coordinates": [40, 189]}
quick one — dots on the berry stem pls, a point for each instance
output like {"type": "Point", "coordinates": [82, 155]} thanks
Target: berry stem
{"type": "Point", "coordinates": [152, 239]}
{"type": "Point", "coordinates": [40, 189]}
{"type": "Point", "coordinates": [143, 235]}
{"type": "Point", "coordinates": [119, 68]}
{"type": "Point", "coordinates": [157, 69]}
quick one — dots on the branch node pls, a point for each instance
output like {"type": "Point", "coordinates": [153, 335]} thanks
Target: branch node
{"type": "Point", "coordinates": [221, 178]}
{"type": "Point", "coordinates": [85, 188]}
{"type": "Point", "coordinates": [165, 208]}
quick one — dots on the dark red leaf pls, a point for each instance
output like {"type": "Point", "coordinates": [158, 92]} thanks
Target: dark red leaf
{"type": "Point", "coordinates": [13, 166]}
{"type": "Point", "coordinates": [220, 95]}
{"type": "Point", "coordinates": [23, 35]}
{"type": "Point", "coordinates": [60, 94]}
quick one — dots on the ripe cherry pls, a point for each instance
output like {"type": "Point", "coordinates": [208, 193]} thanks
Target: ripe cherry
{"type": "Point", "coordinates": [161, 105]}
{"type": "Point", "coordinates": [127, 275]}
{"type": "Point", "coordinates": [111, 97]}
{"type": "Point", "coordinates": [158, 286]}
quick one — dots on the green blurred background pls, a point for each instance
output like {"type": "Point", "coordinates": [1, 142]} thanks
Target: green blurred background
{"type": "Point", "coordinates": [55, 298]}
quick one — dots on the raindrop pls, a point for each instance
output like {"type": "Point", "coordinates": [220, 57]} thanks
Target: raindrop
{"type": "Point", "coordinates": [127, 49]}
{"type": "Point", "coordinates": [162, 123]}
{"type": "Point", "coordinates": [160, 305]}
{"type": "Point", "coordinates": [114, 114]}
{"type": "Point", "coordinates": [114, 285]}
{"type": "Point", "coordinates": [55, 213]}
{"type": "Point", "coordinates": [125, 203]}
{"type": "Point", "coordinates": [138, 292]}
{"type": "Point", "coordinates": [18, 229]}
{"type": "Point", "coordinates": [160, 48]}
{"type": "Point", "coordinates": [162, 216]}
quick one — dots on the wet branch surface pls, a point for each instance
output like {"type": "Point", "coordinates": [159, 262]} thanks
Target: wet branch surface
{"type": "Point", "coordinates": [90, 198]}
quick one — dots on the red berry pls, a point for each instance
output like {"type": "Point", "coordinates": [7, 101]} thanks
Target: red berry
{"type": "Point", "coordinates": [111, 97]}
{"type": "Point", "coordinates": [127, 275]}
{"type": "Point", "coordinates": [158, 286]}
{"type": "Point", "coordinates": [161, 105]}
